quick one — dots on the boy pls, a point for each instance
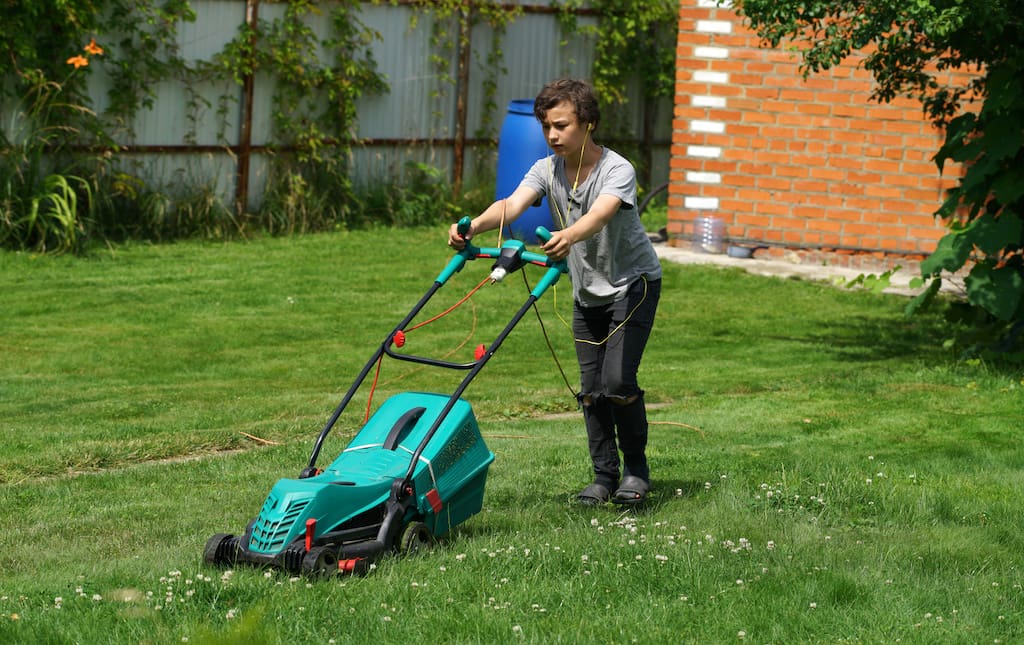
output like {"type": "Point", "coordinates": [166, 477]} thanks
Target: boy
{"type": "Point", "coordinates": [616, 279]}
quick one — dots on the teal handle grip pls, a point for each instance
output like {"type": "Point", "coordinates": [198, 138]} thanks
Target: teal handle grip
{"type": "Point", "coordinates": [551, 276]}
{"type": "Point", "coordinates": [469, 252]}
{"type": "Point", "coordinates": [536, 258]}
{"type": "Point", "coordinates": [454, 265]}
{"type": "Point", "coordinates": [555, 269]}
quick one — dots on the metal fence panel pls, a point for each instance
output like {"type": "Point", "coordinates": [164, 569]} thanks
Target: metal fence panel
{"type": "Point", "coordinates": [414, 122]}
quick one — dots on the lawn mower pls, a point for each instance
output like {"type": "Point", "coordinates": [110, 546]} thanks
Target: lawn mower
{"type": "Point", "coordinates": [415, 470]}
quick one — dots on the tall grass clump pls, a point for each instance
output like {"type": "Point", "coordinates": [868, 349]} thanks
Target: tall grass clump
{"type": "Point", "coordinates": [46, 191]}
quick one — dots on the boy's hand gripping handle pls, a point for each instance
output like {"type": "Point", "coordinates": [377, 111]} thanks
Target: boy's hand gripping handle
{"type": "Point", "coordinates": [555, 269]}
{"type": "Point", "coordinates": [463, 226]}
{"type": "Point", "coordinates": [468, 252]}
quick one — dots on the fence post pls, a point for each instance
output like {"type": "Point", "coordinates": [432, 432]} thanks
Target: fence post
{"type": "Point", "coordinates": [245, 128]}
{"type": "Point", "coordinates": [461, 95]}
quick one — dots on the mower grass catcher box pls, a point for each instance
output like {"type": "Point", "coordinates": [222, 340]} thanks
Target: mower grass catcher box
{"type": "Point", "coordinates": [338, 514]}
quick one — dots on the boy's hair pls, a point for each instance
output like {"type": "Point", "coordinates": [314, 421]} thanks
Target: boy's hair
{"type": "Point", "coordinates": [577, 92]}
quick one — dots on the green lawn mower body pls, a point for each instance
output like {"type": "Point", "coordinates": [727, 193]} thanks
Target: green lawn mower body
{"type": "Point", "coordinates": [344, 508]}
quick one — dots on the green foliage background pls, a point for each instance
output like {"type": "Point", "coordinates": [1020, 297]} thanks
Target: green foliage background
{"type": "Point", "coordinates": [65, 182]}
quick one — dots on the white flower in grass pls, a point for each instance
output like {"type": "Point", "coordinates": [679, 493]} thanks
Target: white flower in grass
{"type": "Point", "coordinates": [96, 597]}
{"type": "Point", "coordinates": [814, 605]}
{"type": "Point", "coordinates": [231, 614]}
{"type": "Point", "coordinates": [741, 634]}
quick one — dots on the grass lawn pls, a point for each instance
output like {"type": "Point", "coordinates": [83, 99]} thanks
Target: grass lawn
{"type": "Point", "coordinates": [823, 471]}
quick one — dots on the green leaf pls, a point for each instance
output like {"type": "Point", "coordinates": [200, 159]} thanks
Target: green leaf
{"type": "Point", "coordinates": [956, 132]}
{"type": "Point", "coordinates": [1008, 187]}
{"type": "Point", "coordinates": [992, 234]}
{"type": "Point", "coordinates": [1004, 136]}
{"type": "Point", "coordinates": [923, 299]}
{"type": "Point", "coordinates": [997, 291]}
{"type": "Point", "coordinates": [950, 254]}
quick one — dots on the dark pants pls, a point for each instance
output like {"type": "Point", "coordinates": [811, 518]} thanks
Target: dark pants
{"type": "Point", "coordinates": [610, 341]}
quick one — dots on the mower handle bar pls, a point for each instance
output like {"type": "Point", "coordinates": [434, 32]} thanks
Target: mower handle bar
{"type": "Point", "coordinates": [512, 249]}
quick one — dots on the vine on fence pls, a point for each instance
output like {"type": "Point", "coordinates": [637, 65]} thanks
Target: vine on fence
{"type": "Point", "coordinates": [634, 44]}
{"type": "Point", "coordinates": [58, 153]}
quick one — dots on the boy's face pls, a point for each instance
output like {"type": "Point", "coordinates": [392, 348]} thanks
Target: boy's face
{"type": "Point", "coordinates": [563, 131]}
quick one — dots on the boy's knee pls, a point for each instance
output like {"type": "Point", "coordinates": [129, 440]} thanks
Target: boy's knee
{"type": "Point", "coordinates": [623, 400]}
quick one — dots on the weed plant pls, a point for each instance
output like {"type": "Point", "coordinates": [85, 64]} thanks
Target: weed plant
{"type": "Point", "coordinates": [821, 472]}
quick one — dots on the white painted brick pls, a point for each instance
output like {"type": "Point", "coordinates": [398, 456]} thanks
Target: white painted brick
{"type": "Point", "coordinates": [701, 100]}
{"type": "Point", "coordinates": [714, 4]}
{"type": "Point", "coordinates": [714, 127]}
{"type": "Point", "coordinates": [711, 52]}
{"type": "Point", "coordinates": [714, 26]}
{"type": "Point", "coordinates": [704, 177]}
{"type": "Point", "coordinates": [711, 152]}
{"type": "Point", "coordinates": [701, 203]}
{"type": "Point", "coordinates": [704, 76]}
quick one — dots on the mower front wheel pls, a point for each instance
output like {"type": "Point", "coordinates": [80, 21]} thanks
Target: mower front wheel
{"type": "Point", "coordinates": [415, 538]}
{"type": "Point", "coordinates": [321, 561]}
{"type": "Point", "coordinates": [219, 549]}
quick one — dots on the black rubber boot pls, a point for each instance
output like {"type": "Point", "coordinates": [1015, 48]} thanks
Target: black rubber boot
{"type": "Point", "coordinates": [600, 424]}
{"type": "Point", "coordinates": [631, 421]}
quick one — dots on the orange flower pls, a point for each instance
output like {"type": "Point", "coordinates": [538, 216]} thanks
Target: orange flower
{"type": "Point", "coordinates": [78, 61]}
{"type": "Point", "coordinates": [93, 48]}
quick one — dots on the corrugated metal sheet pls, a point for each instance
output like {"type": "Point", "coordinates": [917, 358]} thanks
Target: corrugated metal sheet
{"type": "Point", "coordinates": [416, 119]}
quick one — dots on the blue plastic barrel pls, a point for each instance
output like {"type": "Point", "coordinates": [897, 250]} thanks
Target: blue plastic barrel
{"type": "Point", "coordinates": [520, 144]}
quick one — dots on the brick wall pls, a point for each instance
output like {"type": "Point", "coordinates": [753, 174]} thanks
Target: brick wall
{"type": "Point", "coordinates": [811, 168]}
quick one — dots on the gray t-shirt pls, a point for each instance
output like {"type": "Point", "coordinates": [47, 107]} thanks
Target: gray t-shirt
{"type": "Point", "coordinates": [603, 267]}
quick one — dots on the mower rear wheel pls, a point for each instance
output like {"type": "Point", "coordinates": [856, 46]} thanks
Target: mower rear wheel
{"type": "Point", "coordinates": [215, 551]}
{"type": "Point", "coordinates": [321, 561]}
{"type": "Point", "coordinates": [415, 538]}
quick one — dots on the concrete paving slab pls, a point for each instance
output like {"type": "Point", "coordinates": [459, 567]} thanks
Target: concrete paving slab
{"type": "Point", "coordinates": [835, 275]}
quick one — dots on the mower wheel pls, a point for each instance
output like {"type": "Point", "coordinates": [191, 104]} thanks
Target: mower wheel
{"type": "Point", "coordinates": [415, 538]}
{"type": "Point", "coordinates": [321, 561]}
{"type": "Point", "coordinates": [216, 551]}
